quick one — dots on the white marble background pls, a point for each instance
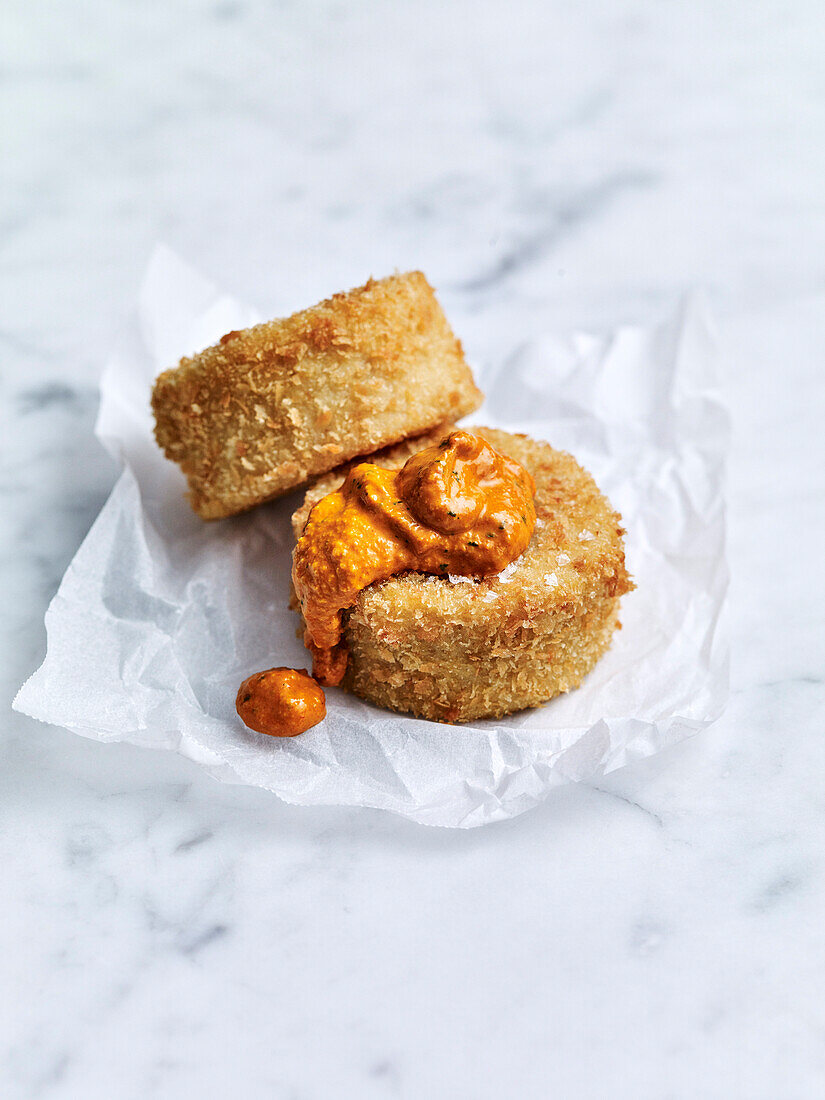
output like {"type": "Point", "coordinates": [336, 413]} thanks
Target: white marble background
{"type": "Point", "coordinates": [548, 165]}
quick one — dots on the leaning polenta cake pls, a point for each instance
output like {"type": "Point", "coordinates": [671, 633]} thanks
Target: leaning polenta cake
{"type": "Point", "coordinates": [269, 407]}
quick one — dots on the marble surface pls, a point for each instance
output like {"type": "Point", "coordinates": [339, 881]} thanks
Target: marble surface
{"type": "Point", "coordinates": [549, 166]}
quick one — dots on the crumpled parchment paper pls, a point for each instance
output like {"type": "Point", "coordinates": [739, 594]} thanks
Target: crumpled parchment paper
{"type": "Point", "coordinates": [160, 615]}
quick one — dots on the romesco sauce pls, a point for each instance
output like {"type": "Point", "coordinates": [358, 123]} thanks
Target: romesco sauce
{"type": "Point", "coordinates": [282, 702]}
{"type": "Point", "coordinates": [458, 507]}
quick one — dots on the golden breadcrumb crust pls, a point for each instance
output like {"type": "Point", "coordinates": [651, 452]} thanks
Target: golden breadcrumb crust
{"type": "Point", "coordinates": [271, 406]}
{"type": "Point", "coordinates": [454, 651]}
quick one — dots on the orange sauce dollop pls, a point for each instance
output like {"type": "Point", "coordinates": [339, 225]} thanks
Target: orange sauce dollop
{"type": "Point", "coordinates": [282, 702]}
{"type": "Point", "coordinates": [459, 507]}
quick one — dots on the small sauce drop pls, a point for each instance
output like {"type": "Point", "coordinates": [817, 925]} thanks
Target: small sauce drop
{"type": "Point", "coordinates": [459, 507]}
{"type": "Point", "coordinates": [282, 702]}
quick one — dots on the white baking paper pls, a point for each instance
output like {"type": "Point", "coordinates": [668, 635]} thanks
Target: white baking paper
{"type": "Point", "coordinates": [160, 615]}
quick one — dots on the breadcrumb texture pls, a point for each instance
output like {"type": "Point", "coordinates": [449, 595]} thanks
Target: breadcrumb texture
{"type": "Point", "coordinates": [268, 408]}
{"type": "Point", "coordinates": [455, 650]}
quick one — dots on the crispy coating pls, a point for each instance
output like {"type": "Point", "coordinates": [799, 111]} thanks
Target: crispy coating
{"type": "Point", "coordinates": [455, 651]}
{"type": "Point", "coordinates": [268, 408]}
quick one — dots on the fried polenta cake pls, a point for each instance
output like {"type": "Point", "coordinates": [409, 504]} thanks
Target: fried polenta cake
{"type": "Point", "coordinates": [457, 649]}
{"type": "Point", "coordinates": [272, 406]}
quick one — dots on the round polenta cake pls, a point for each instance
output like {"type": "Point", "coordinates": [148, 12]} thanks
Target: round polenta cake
{"type": "Point", "coordinates": [457, 649]}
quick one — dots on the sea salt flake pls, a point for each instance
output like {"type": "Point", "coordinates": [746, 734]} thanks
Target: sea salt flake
{"type": "Point", "coordinates": [586, 536]}
{"type": "Point", "coordinates": [508, 571]}
{"type": "Point", "coordinates": [563, 559]}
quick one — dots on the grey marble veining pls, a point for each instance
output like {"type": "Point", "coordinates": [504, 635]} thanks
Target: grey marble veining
{"type": "Point", "coordinates": [548, 166]}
